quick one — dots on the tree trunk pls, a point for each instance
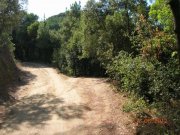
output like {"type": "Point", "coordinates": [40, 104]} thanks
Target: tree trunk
{"type": "Point", "coordinates": [175, 7]}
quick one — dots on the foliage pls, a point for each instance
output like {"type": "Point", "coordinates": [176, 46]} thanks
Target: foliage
{"type": "Point", "coordinates": [66, 56]}
{"type": "Point", "coordinates": [53, 21]}
{"type": "Point", "coordinates": [32, 30]}
{"type": "Point", "coordinates": [137, 106]}
{"type": "Point", "coordinates": [152, 42]}
{"type": "Point", "coordinates": [22, 39]}
{"type": "Point", "coordinates": [151, 80]}
{"type": "Point", "coordinates": [10, 13]}
{"type": "Point", "coordinates": [162, 16]}
{"type": "Point", "coordinates": [133, 73]}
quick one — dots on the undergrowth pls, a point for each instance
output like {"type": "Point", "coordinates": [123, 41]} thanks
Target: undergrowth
{"type": "Point", "coordinates": [153, 88]}
{"type": "Point", "coordinates": [159, 118]}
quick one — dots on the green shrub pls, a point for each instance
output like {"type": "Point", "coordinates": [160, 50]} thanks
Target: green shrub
{"type": "Point", "coordinates": [135, 105]}
{"type": "Point", "coordinates": [166, 81]}
{"type": "Point", "coordinates": [149, 79]}
{"type": "Point", "coordinates": [132, 73]}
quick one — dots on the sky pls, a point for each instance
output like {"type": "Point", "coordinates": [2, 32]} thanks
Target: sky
{"type": "Point", "coordinates": [50, 7]}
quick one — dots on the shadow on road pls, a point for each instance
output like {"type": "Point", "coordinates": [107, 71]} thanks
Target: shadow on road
{"type": "Point", "coordinates": [38, 109]}
{"type": "Point", "coordinates": [20, 78]}
{"type": "Point", "coordinates": [35, 65]}
{"type": "Point", "coordinates": [101, 129]}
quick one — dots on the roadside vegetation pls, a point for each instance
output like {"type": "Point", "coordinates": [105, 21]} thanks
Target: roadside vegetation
{"type": "Point", "coordinates": [10, 15]}
{"type": "Point", "coordinates": [132, 42]}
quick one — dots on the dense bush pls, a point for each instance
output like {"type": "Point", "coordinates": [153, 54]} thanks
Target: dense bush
{"type": "Point", "coordinates": [166, 81]}
{"type": "Point", "coordinates": [150, 79]}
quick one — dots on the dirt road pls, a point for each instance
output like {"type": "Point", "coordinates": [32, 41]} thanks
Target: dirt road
{"type": "Point", "coordinates": [53, 104]}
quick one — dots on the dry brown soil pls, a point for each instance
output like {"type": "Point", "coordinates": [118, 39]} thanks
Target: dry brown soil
{"type": "Point", "coordinates": [50, 103]}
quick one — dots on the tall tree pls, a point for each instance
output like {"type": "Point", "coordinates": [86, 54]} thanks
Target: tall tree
{"type": "Point", "coordinates": [21, 38]}
{"type": "Point", "coordinates": [175, 7]}
{"type": "Point", "coordinates": [65, 56]}
{"type": "Point", "coordinates": [10, 11]}
{"type": "Point", "coordinates": [9, 16]}
{"type": "Point", "coordinates": [162, 16]}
